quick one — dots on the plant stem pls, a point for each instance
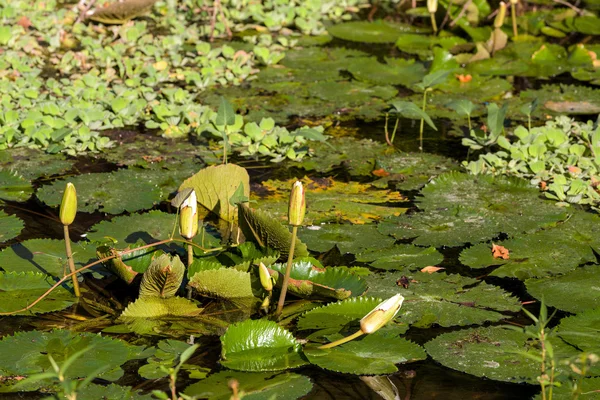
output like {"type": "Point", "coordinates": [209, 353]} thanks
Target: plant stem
{"type": "Point", "coordinates": [342, 340]}
{"type": "Point", "coordinates": [513, 13]}
{"type": "Point", "coordinates": [469, 119]}
{"type": "Point", "coordinates": [70, 260]}
{"type": "Point", "coordinates": [172, 386]}
{"type": "Point", "coordinates": [422, 121]}
{"type": "Point", "coordinates": [190, 255]}
{"type": "Point", "coordinates": [288, 271]}
{"type": "Point", "coordinates": [433, 23]}
{"type": "Point", "coordinates": [395, 129]}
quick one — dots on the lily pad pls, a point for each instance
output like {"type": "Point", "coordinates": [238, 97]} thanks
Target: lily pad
{"type": "Point", "coordinates": [492, 353]}
{"type": "Point", "coordinates": [44, 255]}
{"type": "Point", "coordinates": [130, 229]}
{"type": "Point", "coordinates": [255, 385]}
{"type": "Point", "coordinates": [446, 300]}
{"type": "Point", "coordinates": [260, 345]}
{"type": "Point", "coordinates": [111, 392]}
{"type": "Point", "coordinates": [374, 354]}
{"type": "Point", "coordinates": [370, 32]}
{"type": "Point", "coordinates": [401, 256]}
{"type": "Point", "coordinates": [224, 283]}
{"type": "Point", "coordinates": [329, 200]}
{"type": "Point", "coordinates": [26, 353]}
{"type": "Point", "coordinates": [216, 185]}
{"type": "Point", "coordinates": [573, 292]}
{"type": "Point", "coordinates": [10, 226]}
{"type": "Point", "coordinates": [18, 290]}
{"type": "Point", "coordinates": [582, 330]}
{"type": "Point", "coordinates": [307, 280]}
{"type": "Point", "coordinates": [396, 71]}
{"type": "Point", "coordinates": [348, 238]}
{"type": "Point", "coordinates": [32, 163]}
{"type": "Point", "coordinates": [111, 192]}
{"type": "Point", "coordinates": [14, 187]}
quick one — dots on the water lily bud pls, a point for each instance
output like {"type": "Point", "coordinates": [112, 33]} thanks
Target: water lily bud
{"type": "Point", "coordinates": [499, 21]}
{"type": "Point", "coordinates": [265, 277]}
{"type": "Point", "coordinates": [68, 207]}
{"type": "Point", "coordinates": [382, 314]}
{"type": "Point", "coordinates": [297, 205]}
{"type": "Point", "coordinates": [432, 6]}
{"type": "Point", "coordinates": [188, 217]}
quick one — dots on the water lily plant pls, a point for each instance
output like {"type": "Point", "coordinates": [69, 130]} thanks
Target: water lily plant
{"type": "Point", "coordinates": [68, 210]}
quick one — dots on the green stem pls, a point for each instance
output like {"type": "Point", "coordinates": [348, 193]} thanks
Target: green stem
{"type": "Point", "coordinates": [433, 23]}
{"type": "Point", "coordinates": [342, 340]}
{"type": "Point", "coordinates": [469, 119]}
{"type": "Point", "coordinates": [513, 14]}
{"type": "Point", "coordinates": [190, 255]}
{"type": "Point", "coordinates": [422, 120]}
{"type": "Point", "coordinates": [288, 271]}
{"type": "Point", "coordinates": [395, 129]}
{"type": "Point", "coordinates": [70, 260]}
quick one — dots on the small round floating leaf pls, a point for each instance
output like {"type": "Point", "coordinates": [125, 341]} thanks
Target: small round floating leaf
{"type": "Point", "coordinates": [255, 385]}
{"type": "Point", "coordinates": [259, 345]}
{"type": "Point", "coordinates": [573, 292]}
{"type": "Point", "coordinates": [10, 226]}
{"type": "Point", "coordinates": [370, 32]}
{"type": "Point", "coordinates": [373, 354]}
{"type": "Point", "coordinates": [348, 238]}
{"type": "Point", "coordinates": [44, 255]}
{"type": "Point", "coordinates": [18, 290]}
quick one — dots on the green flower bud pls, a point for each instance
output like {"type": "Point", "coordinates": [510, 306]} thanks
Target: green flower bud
{"type": "Point", "coordinates": [297, 205]}
{"type": "Point", "coordinates": [381, 315]}
{"type": "Point", "coordinates": [499, 21]}
{"type": "Point", "coordinates": [188, 217]}
{"type": "Point", "coordinates": [68, 207]}
{"type": "Point", "coordinates": [265, 277]}
{"type": "Point", "coordinates": [432, 6]}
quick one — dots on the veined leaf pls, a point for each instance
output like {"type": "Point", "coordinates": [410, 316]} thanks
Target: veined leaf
{"type": "Point", "coordinates": [163, 277]}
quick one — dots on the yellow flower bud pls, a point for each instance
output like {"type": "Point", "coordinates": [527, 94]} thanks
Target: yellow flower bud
{"type": "Point", "coordinates": [68, 207]}
{"type": "Point", "coordinates": [381, 315]}
{"type": "Point", "coordinates": [265, 277]}
{"type": "Point", "coordinates": [188, 217]}
{"type": "Point", "coordinates": [499, 21]}
{"type": "Point", "coordinates": [297, 205]}
{"type": "Point", "coordinates": [432, 6]}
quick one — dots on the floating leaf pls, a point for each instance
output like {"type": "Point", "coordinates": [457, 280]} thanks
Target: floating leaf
{"type": "Point", "coordinates": [112, 391]}
{"type": "Point", "coordinates": [148, 227]}
{"type": "Point", "coordinates": [14, 187]}
{"type": "Point", "coordinates": [396, 71]}
{"type": "Point", "coordinates": [259, 345]}
{"type": "Point", "coordinates": [348, 238]}
{"type": "Point", "coordinates": [121, 11]}
{"type": "Point", "coordinates": [10, 226]}
{"type": "Point", "coordinates": [127, 266]}
{"type": "Point", "coordinates": [215, 185]}
{"type": "Point", "coordinates": [224, 283]}
{"type": "Point", "coordinates": [44, 255]}
{"type": "Point", "coordinates": [33, 163]}
{"type": "Point", "coordinates": [329, 200]}
{"type": "Point", "coordinates": [401, 256]}
{"type": "Point", "coordinates": [443, 299]}
{"type": "Point", "coordinates": [18, 290]}
{"type": "Point", "coordinates": [573, 292]}
{"type": "Point", "coordinates": [254, 385]}
{"type": "Point", "coordinates": [163, 277]}
{"type": "Point", "coordinates": [370, 32]}
{"type": "Point", "coordinates": [308, 280]}
{"type": "Point", "coordinates": [268, 232]}
{"type": "Point", "coordinates": [494, 353]}
{"type": "Point", "coordinates": [373, 354]}
{"type": "Point", "coordinates": [582, 330]}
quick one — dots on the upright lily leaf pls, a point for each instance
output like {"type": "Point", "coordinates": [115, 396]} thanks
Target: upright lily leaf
{"type": "Point", "coordinates": [216, 185]}
{"type": "Point", "coordinates": [267, 232]}
{"type": "Point", "coordinates": [495, 119]}
{"type": "Point", "coordinates": [374, 354]}
{"type": "Point", "coordinates": [120, 12]}
{"type": "Point", "coordinates": [408, 109]}
{"type": "Point", "coordinates": [307, 280]}
{"type": "Point", "coordinates": [224, 283]}
{"type": "Point", "coordinates": [163, 277]}
{"type": "Point", "coordinates": [10, 226]}
{"type": "Point", "coordinates": [259, 345]}
{"type": "Point", "coordinates": [225, 113]}
{"type": "Point", "coordinates": [254, 385]}
{"type": "Point", "coordinates": [18, 290]}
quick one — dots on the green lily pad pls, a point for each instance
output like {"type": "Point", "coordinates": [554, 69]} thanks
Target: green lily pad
{"type": "Point", "coordinates": [308, 280]}
{"type": "Point", "coordinates": [216, 185]}
{"type": "Point", "coordinates": [329, 200]}
{"type": "Point", "coordinates": [396, 71]}
{"type": "Point", "coordinates": [461, 209]}
{"type": "Point", "coordinates": [111, 192]}
{"type": "Point", "coordinates": [349, 94]}
{"type": "Point", "coordinates": [582, 330]}
{"type": "Point", "coordinates": [130, 229]}
{"type": "Point", "coordinates": [10, 226]}
{"type": "Point", "coordinates": [348, 238]}
{"type": "Point", "coordinates": [44, 255]}
{"type": "Point", "coordinates": [14, 187]}
{"type": "Point", "coordinates": [401, 256]}
{"type": "Point", "coordinates": [446, 300]}
{"type": "Point", "coordinates": [32, 163]}
{"type": "Point", "coordinates": [26, 353]}
{"type": "Point", "coordinates": [260, 345]}
{"type": "Point", "coordinates": [255, 385]}
{"type": "Point", "coordinates": [370, 32]}
{"type": "Point", "coordinates": [111, 392]}
{"type": "Point", "coordinates": [374, 354]}
{"type": "Point", "coordinates": [18, 290]}
{"type": "Point", "coordinates": [565, 99]}
{"type": "Point", "coordinates": [573, 292]}
{"type": "Point", "coordinates": [224, 283]}
{"type": "Point", "coordinates": [492, 353]}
